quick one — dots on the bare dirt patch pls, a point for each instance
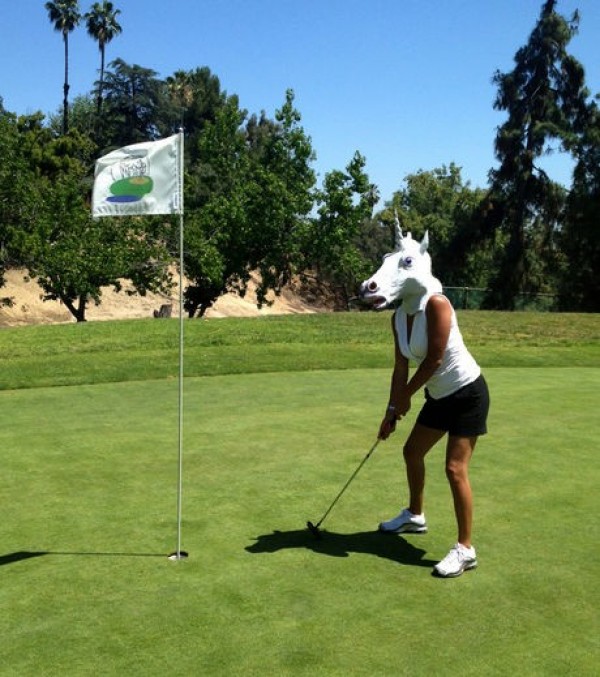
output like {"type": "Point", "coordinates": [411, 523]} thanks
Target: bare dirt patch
{"type": "Point", "coordinates": [30, 308]}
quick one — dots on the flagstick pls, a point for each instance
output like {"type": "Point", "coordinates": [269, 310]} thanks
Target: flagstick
{"type": "Point", "coordinates": [180, 480]}
{"type": "Point", "coordinates": [179, 553]}
{"type": "Point", "coordinates": [127, 159]}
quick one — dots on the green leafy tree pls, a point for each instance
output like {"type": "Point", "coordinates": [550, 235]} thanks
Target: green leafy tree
{"type": "Point", "coordinates": [82, 117]}
{"type": "Point", "coordinates": [428, 203]}
{"type": "Point", "coordinates": [65, 16]}
{"type": "Point", "coordinates": [440, 202]}
{"type": "Point", "coordinates": [215, 251]}
{"type": "Point", "coordinates": [281, 196]}
{"type": "Point", "coordinates": [375, 240]}
{"type": "Point", "coordinates": [102, 25]}
{"type": "Point", "coordinates": [252, 201]}
{"type": "Point", "coordinates": [15, 192]}
{"type": "Point", "coordinates": [134, 101]}
{"type": "Point", "coordinates": [73, 257]}
{"type": "Point", "coordinates": [376, 237]}
{"type": "Point", "coordinates": [181, 94]}
{"type": "Point", "coordinates": [544, 97]}
{"type": "Point", "coordinates": [580, 236]}
{"type": "Point", "coordinates": [31, 153]}
{"type": "Point", "coordinates": [46, 225]}
{"type": "Point", "coordinates": [345, 204]}
{"type": "Point", "coordinates": [50, 156]}
{"type": "Point", "coordinates": [195, 96]}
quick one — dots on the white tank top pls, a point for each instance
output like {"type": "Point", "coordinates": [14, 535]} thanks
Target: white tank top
{"type": "Point", "coordinates": [458, 368]}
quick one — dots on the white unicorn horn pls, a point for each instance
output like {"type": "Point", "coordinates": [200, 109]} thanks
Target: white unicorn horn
{"type": "Point", "coordinates": [424, 242]}
{"type": "Point", "coordinates": [397, 231]}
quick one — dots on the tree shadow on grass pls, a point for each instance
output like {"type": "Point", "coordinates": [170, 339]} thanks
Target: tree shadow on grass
{"type": "Point", "coordinates": [388, 546]}
{"type": "Point", "coordinates": [21, 555]}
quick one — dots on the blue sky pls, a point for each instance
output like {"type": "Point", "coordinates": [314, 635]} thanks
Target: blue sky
{"type": "Point", "coordinates": [405, 82]}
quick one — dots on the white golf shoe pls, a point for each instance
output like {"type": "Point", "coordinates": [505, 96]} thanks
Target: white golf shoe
{"type": "Point", "coordinates": [459, 559]}
{"type": "Point", "coordinates": [405, 523]}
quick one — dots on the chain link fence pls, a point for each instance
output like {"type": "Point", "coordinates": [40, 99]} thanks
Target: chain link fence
{"type": "Point", "coordinates": [472, 298]}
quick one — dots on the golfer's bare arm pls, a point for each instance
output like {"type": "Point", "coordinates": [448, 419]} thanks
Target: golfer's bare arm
{"type": "Point", "coordinates": [400, 373]}
{"type": "Point", "coordinates": [398, 384]}
{"type": "Point", "coordinates": [439, 319]}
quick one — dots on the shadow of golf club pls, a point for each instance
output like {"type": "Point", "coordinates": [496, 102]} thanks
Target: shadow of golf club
{"type": "Point", "coordinates": [388, 546]}
{"type": "Point", "coordinates": [21, 555]}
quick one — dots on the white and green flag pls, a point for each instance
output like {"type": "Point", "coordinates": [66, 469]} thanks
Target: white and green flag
{"type": "Point", "coordinates": [143, 178]}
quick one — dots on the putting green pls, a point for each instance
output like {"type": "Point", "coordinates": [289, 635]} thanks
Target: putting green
{"type": "Point", "coordinates": [89, 515]}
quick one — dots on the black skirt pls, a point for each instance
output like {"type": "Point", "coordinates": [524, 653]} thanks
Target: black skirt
{"type": "Point", "coordinates": [463, 413]}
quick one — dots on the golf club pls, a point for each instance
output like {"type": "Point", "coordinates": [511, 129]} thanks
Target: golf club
{"type": "Point", "coordinates": [314, 528]}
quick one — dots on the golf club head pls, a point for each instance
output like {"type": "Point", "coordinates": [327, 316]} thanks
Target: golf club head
{"type": "Point", "coordinates": [314, 530]}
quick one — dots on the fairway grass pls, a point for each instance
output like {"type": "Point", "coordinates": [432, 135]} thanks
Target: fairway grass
{"type": "Point", "coordinates": [137, 350]}
{"type": "Point", "coordinates": [89, 515]}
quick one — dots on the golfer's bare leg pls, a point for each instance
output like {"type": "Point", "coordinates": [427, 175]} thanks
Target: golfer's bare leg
{"type": "Point", "coordinates": [419, 442]}
{"type": "Point", "coordinates": [458, 454]}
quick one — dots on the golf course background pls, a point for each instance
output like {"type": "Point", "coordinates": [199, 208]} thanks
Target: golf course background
{"type": "Point", "coordinates": [278, 412]}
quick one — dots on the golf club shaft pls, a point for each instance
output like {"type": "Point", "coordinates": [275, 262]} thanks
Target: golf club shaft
{"type": "Point", "coordinates": [354, 474]}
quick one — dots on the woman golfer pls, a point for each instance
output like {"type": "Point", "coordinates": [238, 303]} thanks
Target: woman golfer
{"type": "Point", "coordinates": [456, 395]}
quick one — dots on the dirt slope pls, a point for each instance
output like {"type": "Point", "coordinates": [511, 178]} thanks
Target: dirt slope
{"type": "Point", "coordinates": [29, 308]}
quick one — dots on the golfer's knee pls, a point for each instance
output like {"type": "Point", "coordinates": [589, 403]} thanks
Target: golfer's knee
{"type": "Point", "coordinates": [411, 453]}
{"type": "Point", "coordinates": [456, 471]}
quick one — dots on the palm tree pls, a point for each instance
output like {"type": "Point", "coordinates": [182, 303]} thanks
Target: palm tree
{"type": "Point", "coordinates": [180, 88]}
{"type": "Point", "coordinates": [65, 16]}
{"type": "Point", "coordinates": [102, 26]}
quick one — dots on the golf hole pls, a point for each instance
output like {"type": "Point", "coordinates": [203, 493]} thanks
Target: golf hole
{"type": "Point", "coordinates": [178, 555]}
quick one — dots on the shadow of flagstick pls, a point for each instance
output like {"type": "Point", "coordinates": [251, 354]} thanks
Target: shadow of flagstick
{"type": "Point", "coordinates": [22, 555]}
{"type": "Point", "coordinates": [19, 556]}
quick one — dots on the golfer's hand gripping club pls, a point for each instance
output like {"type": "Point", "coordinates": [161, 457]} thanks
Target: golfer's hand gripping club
{"type": "Point", "coordinates": [388, 425]}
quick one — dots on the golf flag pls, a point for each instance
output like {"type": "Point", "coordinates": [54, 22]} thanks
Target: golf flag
{"type": "Point", "coordinates": [143, 178]}
{"type": "Point", "coordinates": [140, 179]}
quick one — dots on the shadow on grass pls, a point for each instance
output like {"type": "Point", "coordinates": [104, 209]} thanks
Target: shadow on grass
{"type": "Point", "coordinates": [26, 554]}
{"type": "Point", "coordinates": [394, 548]}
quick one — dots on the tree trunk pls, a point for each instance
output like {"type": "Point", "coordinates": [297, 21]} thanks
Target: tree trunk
{"type": "Point", "coordinates": [66, 87]}
{"type": "Point", "coordinates": [101, 82]}
{"type": "Point", "coordinates": [78, 312]}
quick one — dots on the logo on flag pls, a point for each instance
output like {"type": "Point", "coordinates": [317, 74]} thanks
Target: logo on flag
{"type": "Point", "coordinates": [144, 178]}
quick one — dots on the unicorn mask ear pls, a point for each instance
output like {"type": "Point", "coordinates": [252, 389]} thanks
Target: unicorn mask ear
{"type": "Point", "coordinates": [397, 231]}
{"type": "Point", "coordinates": [424, 243]}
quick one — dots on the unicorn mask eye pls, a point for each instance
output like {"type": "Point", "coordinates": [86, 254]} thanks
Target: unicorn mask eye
{"type": "Point", "coordinates": [407, 262]}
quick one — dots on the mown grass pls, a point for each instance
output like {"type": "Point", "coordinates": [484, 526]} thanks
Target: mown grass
{"type": "Point", "coordinates": [89, 498]}
{"type": "Point", "coordinates": [290, 408]}
{"type": "Point", "coordinates": [98, 352]}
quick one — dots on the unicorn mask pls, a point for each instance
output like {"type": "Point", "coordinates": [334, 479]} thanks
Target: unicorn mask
{"type": "Point", "coordinates": [404, 275]}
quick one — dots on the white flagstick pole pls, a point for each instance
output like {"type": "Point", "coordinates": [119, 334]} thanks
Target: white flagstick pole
{"type": "Point", "coordinates": [180, 554]}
